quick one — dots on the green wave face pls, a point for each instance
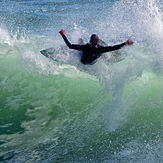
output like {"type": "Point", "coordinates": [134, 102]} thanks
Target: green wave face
{"type": "Point", "coordinates": [69, 112]}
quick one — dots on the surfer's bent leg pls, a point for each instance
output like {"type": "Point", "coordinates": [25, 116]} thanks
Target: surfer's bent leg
{"type": "Point", "coordinates": [80, 41]}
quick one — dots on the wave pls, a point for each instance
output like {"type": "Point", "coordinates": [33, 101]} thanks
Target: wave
{"type": "Point", "coordinates": [72, 112]}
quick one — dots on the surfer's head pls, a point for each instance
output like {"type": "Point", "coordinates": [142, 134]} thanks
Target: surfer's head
{"type": "Point", "coordinates": [94, 40]}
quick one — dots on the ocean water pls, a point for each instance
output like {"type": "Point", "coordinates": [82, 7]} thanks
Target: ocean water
{"type": "Point", "coordinates": [68, 112]}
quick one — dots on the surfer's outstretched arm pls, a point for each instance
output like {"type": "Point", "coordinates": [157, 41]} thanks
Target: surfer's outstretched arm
{"type": "Point", "coordinates": [71, 46]}
{"type": "Point", "coordinates": [115, 47]}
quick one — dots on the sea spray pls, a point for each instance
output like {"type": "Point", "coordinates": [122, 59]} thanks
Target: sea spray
{"type": "Point", "coordinates": [72, 112]}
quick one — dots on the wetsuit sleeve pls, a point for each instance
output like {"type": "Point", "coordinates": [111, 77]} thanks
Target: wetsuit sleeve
{"type": "Point", "coordinates": [71, 46]}
{"type": "Point", "coordinates": [111, 48]}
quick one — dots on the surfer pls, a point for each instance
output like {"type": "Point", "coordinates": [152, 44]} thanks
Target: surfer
{"type": "Point", "coordinates": [92, 51]}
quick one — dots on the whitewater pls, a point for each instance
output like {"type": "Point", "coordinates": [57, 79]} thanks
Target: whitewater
{"type": "Point", "coordinates": [68, 112]}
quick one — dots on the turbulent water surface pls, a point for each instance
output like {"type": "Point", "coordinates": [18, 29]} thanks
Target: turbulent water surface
{"type": "Point", "coordinates": [68, 112]}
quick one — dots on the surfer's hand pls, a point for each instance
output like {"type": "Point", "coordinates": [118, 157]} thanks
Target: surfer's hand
{"type": "Point", "coordinates": [62, 32]}
{"type": "Point", "coordinates": [129, 42]}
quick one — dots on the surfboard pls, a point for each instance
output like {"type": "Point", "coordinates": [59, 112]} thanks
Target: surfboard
{"type": "Point", "coordinates": [56, 54]}
{"type": "Point", "coordinates": [52, 53]}
{"type": "Point", "coordinates": [49, 53]}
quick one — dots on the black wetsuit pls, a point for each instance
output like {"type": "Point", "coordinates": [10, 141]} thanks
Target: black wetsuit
{"type": "Point", "coordinates": [90, 53]}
